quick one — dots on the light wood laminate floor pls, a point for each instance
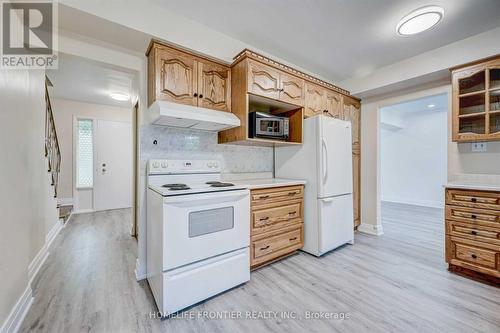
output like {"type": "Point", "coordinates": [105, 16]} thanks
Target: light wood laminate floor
{"type": "Point", "coordinates": [397, 282]}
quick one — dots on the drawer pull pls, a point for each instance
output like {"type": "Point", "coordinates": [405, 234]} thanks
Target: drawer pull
{"type": "Point", "coordinates": [473, 216]}
{"type": "Point", "coordinates": [473, 232]}
{"type": "Point", "coordinates": [264, 248]}
{"type": "Point", "coordinates": [473, 199]}
{"type": "Point", "coordinates": [473, 256]}
{"type": "Point", "coordinates": [292, 239]}
{"type": "Point", "coordinates": [293, 213]}
{"type": "Point", "coordinates": [264, 218]}
{"type": "Point", "coordinates": [263, 197]}
{"type": "Point", "coordinates": [292, 193]}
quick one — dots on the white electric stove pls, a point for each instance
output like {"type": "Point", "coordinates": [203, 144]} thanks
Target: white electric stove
{"type": "Point", "coordinates": [197, 233]}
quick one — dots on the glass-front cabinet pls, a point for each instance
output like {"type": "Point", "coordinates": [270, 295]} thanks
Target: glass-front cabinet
{"type": "Point", "coordinates": [476, 101]}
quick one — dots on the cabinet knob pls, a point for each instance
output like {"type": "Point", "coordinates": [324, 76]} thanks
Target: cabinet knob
{"type": "Point", "coordinates": [473, 232]}
{"type": "Point", "coordinates": [201, 96]}
{"type": "Point", "coordinates": [473, 256]}
{"type": "Point", "coordinates": [195, 95]}
{"type": "Point", "coordinates": [473, 199]}
{"type": "Point", "coordinates": [473, 216]}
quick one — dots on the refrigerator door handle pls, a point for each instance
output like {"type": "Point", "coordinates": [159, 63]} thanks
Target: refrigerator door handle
{"type": "Point", "coordinates": [325, 159]}
{"type": "Point", "coordinates": [327, 199]}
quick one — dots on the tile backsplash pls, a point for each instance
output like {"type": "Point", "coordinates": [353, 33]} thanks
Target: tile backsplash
{"type": "Point", "coordinates": [178, 143]}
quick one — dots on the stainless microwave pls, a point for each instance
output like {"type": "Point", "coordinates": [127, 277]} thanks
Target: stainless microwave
{"type": "Point", "coordinates": [265, 125]}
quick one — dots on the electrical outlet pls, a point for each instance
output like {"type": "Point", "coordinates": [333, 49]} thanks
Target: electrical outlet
{"type": "Point", "coordinates": [478, 147]}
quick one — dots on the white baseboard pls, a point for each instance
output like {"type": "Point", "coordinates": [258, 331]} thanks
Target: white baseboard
{"type": "Point", "coordinates": [51, 235]}
{"type": "Point", "coordinates": [36, 264]}
{"type": "Point", "coordinates": [16, 316]}
{"type": "Point", "coordinates": [415, 202]}
{"type": "Point", "coordinates": [139, 275]}
{"type": "Point", "coordinates": [84, 211]}
{"type": "Point", "coordinates": [371, 229]}
{"type": "Point", "coordinates": [65, 201]}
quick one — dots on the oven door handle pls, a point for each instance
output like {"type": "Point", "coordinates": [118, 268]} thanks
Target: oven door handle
{"type": "Point", "coordinates": [207, 198]}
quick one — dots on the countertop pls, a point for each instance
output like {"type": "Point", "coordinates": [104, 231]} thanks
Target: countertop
{"type": "Point", "coordinates": [474, 185]}
{"type": "Point", "coordinates": [267, 182]}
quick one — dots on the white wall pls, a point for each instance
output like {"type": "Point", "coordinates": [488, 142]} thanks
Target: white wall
{"type": "Point", "coordinates": [413, 155]}
{"type": "Point", "coordinates": [64, 113]}
{"type": "Point", "coordinates": [27, 213]}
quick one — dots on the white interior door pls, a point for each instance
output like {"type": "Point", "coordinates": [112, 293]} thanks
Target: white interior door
{"type": "Point", "coordinates": [113, 168]}
{"type": "Point", "coordinates": [335, 222]}
{"type": "Point", "coordinates": [335, 157]}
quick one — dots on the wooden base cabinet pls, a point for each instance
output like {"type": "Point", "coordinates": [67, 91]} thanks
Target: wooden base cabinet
{"type": "Point", "coordinates": [473, 233]}
{"type": "Point", "coordinates": [277, 227]}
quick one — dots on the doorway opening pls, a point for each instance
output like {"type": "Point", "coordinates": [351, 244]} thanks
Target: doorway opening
{"type": "Point", "coordinates": [96, 132]}
{"type": "Point", "coordinates": [413, 164]}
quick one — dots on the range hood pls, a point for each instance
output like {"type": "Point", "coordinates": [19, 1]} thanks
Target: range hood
{"type": "Point", "coordinates": [179, 115]}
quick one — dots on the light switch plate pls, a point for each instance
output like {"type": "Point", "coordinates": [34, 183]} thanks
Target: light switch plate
{"type": "Point", "coordinates": [478, 146]}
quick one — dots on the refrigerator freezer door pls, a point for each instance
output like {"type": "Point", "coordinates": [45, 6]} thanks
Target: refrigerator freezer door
{"type": "Point", "coordinates": [336, 225]}
{"type": "Point", "coordinates": [335, 157]}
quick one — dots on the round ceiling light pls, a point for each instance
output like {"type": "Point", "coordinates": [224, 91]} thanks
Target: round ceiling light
{"type": "Point", "coordinates": [420, 20]}
{"type": "Point", "coordinates": [119, 96]}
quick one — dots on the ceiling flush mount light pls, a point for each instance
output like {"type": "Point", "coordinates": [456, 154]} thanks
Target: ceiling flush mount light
{"type": "Point", "coordinates": [430, 106]}
{"type": "Point", "coordinates": [119, 96]}
{"type": "Point", "coordinates": [420, 20]}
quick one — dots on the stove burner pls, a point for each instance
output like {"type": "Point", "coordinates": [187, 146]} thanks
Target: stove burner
{"type": "Point", "coordinates": [179, 188]}
{"type": "Point", "coordinates": [212, 182]}
{"type": "Point", "coordinates": [176, 187]}
{"type": "Point", "coordinates": [219, 184]}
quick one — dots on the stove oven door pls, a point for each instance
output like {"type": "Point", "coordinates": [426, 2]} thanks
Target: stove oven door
{"type": "Point", "coordinates": [201, 226]}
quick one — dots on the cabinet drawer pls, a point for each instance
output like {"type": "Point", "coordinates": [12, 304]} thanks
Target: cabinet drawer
{"type": "Point", "coordinates": [270, 195]}
{"type": "Point", "coordinates": [474, 216]}
{"type": "Point", "coordinates": [476, 199]}
{"type": "Point", "coordinates": [276, 246]}
{"type": "Point", "coordinates": [474, 232]}
{"type": "Point", "coordinates": [478, 256]}
{"type": "Point", "coordinates": [270, 216]}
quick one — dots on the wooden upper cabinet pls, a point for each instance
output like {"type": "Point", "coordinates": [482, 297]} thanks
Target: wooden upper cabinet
{"type": "Point", "coordinates": [333, 104]}
{"type": "Point", "coordinates": [352, 112]}
{"type": "Point", "coordinates": [263, 80]}
{"type": "Point", "coordinates": [180, 77]}
{"type": "Point", "coordinates": [476, 101]}
{"type": "Point", "coordinates": [176, 77]}
{"type": "Point", "coordinates": [315, 100]}
{"type": "Point", "coordinates": [291, 89]}
{"type": "Point", "coordinates": [214, 86]}
{"type": "Point", "coordinates": [272, 83]}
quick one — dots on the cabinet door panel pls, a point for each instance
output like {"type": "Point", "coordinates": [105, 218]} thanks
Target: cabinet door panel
{"type": "Point", "coordinates": [356, 185]}
{"type": "Point", "coordinates": [263, 80]}
{"type": "Point", "coordinates": [315, 100]}
{"type": "Point", "coordinates": [333, 104]}
{"type": "Point", "coordinates": [292, 89]}
{"type": "Point", "coordinates": [214, 86]}
{"type": "Point", "coordinates": [177, 77]}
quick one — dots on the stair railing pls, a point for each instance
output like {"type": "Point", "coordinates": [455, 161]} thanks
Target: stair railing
{"type": "Point", "coordinates": [52, 150]}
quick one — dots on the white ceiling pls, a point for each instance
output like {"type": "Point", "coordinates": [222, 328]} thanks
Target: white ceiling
{"type": "Point", "coordinates": [402, 111]}
{"type": "Point", "coordinates": [83, 80]}
{"type": "Point", "coordinates": [337, 39]}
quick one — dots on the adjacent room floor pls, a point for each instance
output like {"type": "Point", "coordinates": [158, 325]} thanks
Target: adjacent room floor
{"type": "Point", "coordinates": [397, 282]}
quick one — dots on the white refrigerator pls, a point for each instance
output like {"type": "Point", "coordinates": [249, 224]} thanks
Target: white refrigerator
{"type": "Point", "coordinates": [324, 160]}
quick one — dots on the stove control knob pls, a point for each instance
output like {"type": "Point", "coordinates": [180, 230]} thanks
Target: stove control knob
{"type": "Point", "coordinates": [209, 164]}
{"type": "Point", "coordinates": [164, 165]}
{"type": "Point", "coordinates": [156, 164]}
{"type": "Point", "coordinates": [216, 164]}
